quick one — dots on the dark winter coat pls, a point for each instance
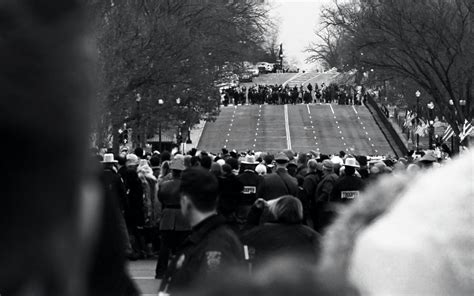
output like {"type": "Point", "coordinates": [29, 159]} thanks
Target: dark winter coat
{"type": "Point", "coordinates": [277, 184]}
{"type": "Point", "coordinates": [134, 214]}
{"type": "Point", "coordinates": [169, 197]}
{"type": "Point", "coordinates": [277, 239]}
{"type": "Point", "coordinates": [211, 247]}
{"type": "Point", "coordinates": [346, 189]}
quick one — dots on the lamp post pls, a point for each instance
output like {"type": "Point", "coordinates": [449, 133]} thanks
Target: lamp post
{"type": "Point", "coordinates": [138, 99]}
{"type": "Point", "coordinates": [417, 94]}
{"type": "Point", "coordinates": [160, 103]}
{"type": "Point", "coordinates": [431, 122]}
{"type": "Point", "coordinates": [462, 103]}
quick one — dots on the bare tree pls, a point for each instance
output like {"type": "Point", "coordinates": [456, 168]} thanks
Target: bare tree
{"type": "Point", "coordinates": [165, 50]}
{"type": "Point", "coordinates": [430, 42]}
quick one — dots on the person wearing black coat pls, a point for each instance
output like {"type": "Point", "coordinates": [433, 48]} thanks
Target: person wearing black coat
{"type": "Point", "coordinates": [134, 214]}
{"type": "Point", "coordinates": [284, 236]}
{"type": "Point", "coordinates": [349, 186]}
{"type": "Point", "coordinates": [212, 246]}
{"type": "Point", "coordinates": [279, 183]}
{"type": "Point", "coordinates": [250, 181]}
{"type": "Point", "coordinates": [173, 226]}
{"type": "Point", "coordinates": [230, 193]}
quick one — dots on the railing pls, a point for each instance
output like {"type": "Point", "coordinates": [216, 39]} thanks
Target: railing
{"type": "Point", "coordinates": [393, 137]}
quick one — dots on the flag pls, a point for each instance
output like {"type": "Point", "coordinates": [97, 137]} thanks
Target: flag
{"type": "Point", "coordinates": [448, 133]}
{"type": "Point", "coordinates": [466, 130]}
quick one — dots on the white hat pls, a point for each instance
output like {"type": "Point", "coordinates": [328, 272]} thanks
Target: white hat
{"type": "Point", "coordinates": [351, 162]}
{"type": "Point", "coordinates": [109, 158]}
{"type": "Point", "coordinates": [221, 162]}
{"type": "Point", "coordinates": [249, 159]}
{"type": "Point", "coordinates": [132, 159]}
{"type": "Point", "coordinates": [337, 160]}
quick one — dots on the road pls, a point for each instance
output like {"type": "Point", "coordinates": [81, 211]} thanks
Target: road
{"type": "Point", "coordinates": [143, 273]}
{"type": "Point", "coordinates": [326, 128]}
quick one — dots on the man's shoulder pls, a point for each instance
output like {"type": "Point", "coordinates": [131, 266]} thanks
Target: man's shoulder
{"type": "Point", "coordinates": [222, 242]}
{"type": "Point", "coordinates": [169, 183]}
{"type": "Point", "coordinates": [223, 234]}
{"type": "Point", "coordinates": [271, 176]}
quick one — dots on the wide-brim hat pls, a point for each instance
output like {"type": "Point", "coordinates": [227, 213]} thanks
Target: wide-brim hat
{"type": "Point", "coordinates": [351, 162]}
{"type": "Point", "coordinates": [249, 159]}
{"type": "Point", "coordinates": [109, 158]}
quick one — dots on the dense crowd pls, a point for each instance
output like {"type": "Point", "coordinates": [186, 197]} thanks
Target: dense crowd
{"type": "Point", "coordinates": [285, 94]}
{"type": "Point", "coordinates": [305, 224]}
{"type": "Point", "coordinates": [275, 205]}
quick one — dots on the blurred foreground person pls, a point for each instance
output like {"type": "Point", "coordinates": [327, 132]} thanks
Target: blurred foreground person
{"type": "Point", "coordinates": [410, 234]}
{"type": "Point", "coordinates": [212, 246]}
{"type": "Point", "coordinates": [57, 223]}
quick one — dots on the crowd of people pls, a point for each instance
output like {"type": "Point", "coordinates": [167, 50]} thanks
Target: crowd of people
{"type": "Point", "coordinates": [285, 94]}
{"type": "Point", "coordinates": [288, 224]}
{"type": "Point", "coordinates": [268, 205]}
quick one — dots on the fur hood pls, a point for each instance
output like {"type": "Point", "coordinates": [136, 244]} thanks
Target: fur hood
{"type": "Point", "coordinates": [409, 233]}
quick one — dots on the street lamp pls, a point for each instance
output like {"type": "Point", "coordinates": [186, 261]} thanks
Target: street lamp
{"type": "Point", "coordinates": [138, 99]}
{"type": "Point", "coordinates": [160, 103]}
{"type": "Point", "coordinates": [431, 122]}
{"type": "Point", "coordinates": [417, 94]}
{"type": "Point", "coordinates": [462, 103]}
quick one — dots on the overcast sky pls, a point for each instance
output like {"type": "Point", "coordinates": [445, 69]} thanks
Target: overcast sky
{"type": "Point", "coordinates": [297, 22]}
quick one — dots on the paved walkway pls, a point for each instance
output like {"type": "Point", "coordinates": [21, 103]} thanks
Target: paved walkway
{"type": "Point", "coordinates": [143, 273]}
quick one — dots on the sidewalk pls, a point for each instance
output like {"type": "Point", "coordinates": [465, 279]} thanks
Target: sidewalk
{"type": "Point", "coordinates": [143, 274]}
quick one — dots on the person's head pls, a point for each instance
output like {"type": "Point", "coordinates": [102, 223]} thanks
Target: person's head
{"type": "Point", "coordinates": [302, 159]}
{"type": "Point", "coordinates": [226, 169]}
{"type": "Point", "coordinates": [350, 166]}
{"type": "Point", "coordinates": [261, 169]}
{"type": "Point", "coordinates": [122, 159]}
{"type": "Point", "coordinates": [216, 169]}
{"type": "Point", "coordinates": [165, 168]}
{"type": "Point", "coordinates": [155, 161]}
{"type": "Point", "coordinates": [139, 152]}
{"type": "Point", "coordinates": [287, 209]}
{"type": "Point", "coordinates": [233, 163]}
{"type": "Point", "coordinates": [282, 160]}
{"type": "Point", "coordinates": [312, 165]}
{"type": "Point", "coordinates": [108, 161]}
{"type": "Point", "coordinates": [206, 162]}
{"type": "Point", "coordinates": [268, 159]}
{"type": "Point", "coordinates": [199, 191]}
{"type": "Point", "coordinates": [328, 166]}
{"type": "Point", "coordinates": [165, 156]}
{"type": "Point", "coordinates": [132, 161]}
{"type": "Point", "coordinates": [176, 167]}
{"type": "Point", "coordinates": [349, 171]}
{"type": "Point", "coordinates": [188, 161]}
